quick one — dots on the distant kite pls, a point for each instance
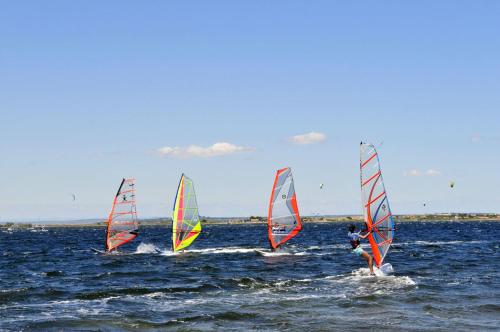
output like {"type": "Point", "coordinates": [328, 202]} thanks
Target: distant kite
{"type": "Point", "coordinates": [321, 186]}
{"type": "Point", "coordinates": [452, 184]}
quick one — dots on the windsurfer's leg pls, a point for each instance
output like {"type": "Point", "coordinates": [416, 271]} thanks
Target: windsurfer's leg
{"type": "Point", "coordinates": [369, 260]}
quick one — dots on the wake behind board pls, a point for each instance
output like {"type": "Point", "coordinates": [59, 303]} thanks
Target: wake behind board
{"type": "Point", "coordinates": [99, 251]}
{"type": "Point", "coordinates": [384, 270]}
{"type": "Point", "coordinates": [271, 253]}
{"type": "Point", "coordinates": [114, 252]}
{"type": "Point", "coordinates": [266, 252]}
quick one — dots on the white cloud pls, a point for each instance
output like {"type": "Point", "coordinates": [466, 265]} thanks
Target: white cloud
{"type": "Point", "coordinates": [310, 138]}
{"type": "Point", "coordinates": [218, 149]}
{"type": "Point", "coordinates": [416, 172]}
{"type": "Point", "coordinates": [413, 172]}
{"type": "Point", "coordinates": [475, 138]}
{"type": "Point", "coordinates": [432, 172]}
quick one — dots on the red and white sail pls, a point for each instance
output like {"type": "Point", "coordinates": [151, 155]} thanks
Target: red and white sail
{"type": "Point", "coordinates": [378, 216]}
{"type": "Point", "coordinates": [283, 221]}
{"type": "Point", "coordinates": [122, 221]}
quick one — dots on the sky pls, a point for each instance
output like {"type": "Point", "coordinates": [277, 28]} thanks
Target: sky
{"type": "Point", "coordinates": [230, 91]}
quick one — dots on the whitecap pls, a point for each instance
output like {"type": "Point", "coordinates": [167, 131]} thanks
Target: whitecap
{"type": "Point", "coordinates": [209, 251]}
{"type": "Point", "coordinates": [274, 253]}
{"type": "Point", "coordinates": [226, 250]}
{"type": "Point", "coordinates": [440, 242]}
{"type": "Point", "coordinates": [167, 252]}
{"type": "Point", "coordinates": [146, 248]}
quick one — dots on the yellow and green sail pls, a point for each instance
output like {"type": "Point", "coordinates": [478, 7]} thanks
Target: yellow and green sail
{"type": "Point", "coordinates": [186, 225]}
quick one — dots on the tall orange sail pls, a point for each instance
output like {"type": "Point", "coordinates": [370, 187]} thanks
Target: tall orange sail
{"type": "Point", "coordinates": [283, 220]}
{"type": "Point", "coordinates": [378, 216]}
{"type": "Point", "coordinates": [122, 221]}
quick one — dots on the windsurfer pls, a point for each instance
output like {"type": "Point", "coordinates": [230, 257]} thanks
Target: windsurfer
{"type": "Point", "coordinates": [278, 229]}
{"type": "Point", "coordinates": [354, 239]}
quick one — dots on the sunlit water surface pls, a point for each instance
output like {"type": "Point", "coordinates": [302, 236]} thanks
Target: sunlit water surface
{"type": "Point", "coordinates": [446, 278]}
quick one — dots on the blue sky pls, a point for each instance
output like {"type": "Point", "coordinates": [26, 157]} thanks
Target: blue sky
{"type": "Point", "coordinates": [90, 91]}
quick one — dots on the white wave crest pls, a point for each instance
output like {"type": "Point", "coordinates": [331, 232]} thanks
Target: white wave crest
{"type": "Point", "coordinates": [209, 251]}
{"type": "Point", "coordinates": [439, 243]}
{"type": "Point", "coordinates": [228, 250]}
{"type": "Point", "coordinates": [363, 274]}
{"type": "Point", "coordinates": [146, 248]}
{"type": "Point", "coordinates": [168, 252]}
{"type": "Point", "coordinates": [273, 253]}
{"type": "Point", "coordinates": [281, 253]}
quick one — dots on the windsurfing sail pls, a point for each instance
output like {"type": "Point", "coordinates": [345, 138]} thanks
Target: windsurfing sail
{"type": "Point", "coordinates": [186, 225]}
{"type": "Point", "coordinates": [378, 216]}
{"type": "Point", "coordinates": [283, 220]}
{"type": "Point", "coordinates": [122, 221]}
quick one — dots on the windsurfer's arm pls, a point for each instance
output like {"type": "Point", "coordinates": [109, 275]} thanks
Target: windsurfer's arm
{"type": "Point", "coordinates": [365, 235]}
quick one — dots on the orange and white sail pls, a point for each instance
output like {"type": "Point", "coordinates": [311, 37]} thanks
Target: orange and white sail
{"type": "Point", "coordinates": [377, 213]}
{"type": "Point", "coordinates": [122, 221]}
{"type": "Point", "coordinates": [186, 225]}
{"type": "Point", "coordinates": [283, 222]}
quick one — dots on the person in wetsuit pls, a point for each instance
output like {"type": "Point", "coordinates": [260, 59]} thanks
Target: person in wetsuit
{"type": "Point", "coordinates": [354, 239]}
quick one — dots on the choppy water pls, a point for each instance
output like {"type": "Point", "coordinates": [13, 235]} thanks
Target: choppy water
{"type": "Point", "coordinates": [447, 278]}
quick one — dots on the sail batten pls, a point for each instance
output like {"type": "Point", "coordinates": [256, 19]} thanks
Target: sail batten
{"type": "Point", "coordinates": [376, 209]}
{"type": "Point", "coordinates": [123, 225]}
{"type": "Point", "coordinates": [283, 216]}
{"type": "Point", "coordinates": [186, 225]}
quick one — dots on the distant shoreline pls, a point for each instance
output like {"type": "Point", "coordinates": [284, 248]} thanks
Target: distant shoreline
{"type": "Point", "coordinates": [261, 220]}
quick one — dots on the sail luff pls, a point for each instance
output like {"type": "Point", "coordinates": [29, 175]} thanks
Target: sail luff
{"type": "Point", "coordinates": [111, 213]}
{"type": "Point", "coordinates": [270, 211]}
{"type": "Point", "coordinates": [177, 215]}
{"type": "Point", "coordinates": [110, 219]}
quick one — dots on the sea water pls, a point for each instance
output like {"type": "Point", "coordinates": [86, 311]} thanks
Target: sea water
{"type": "Point", "coordinates": [446, 277]}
